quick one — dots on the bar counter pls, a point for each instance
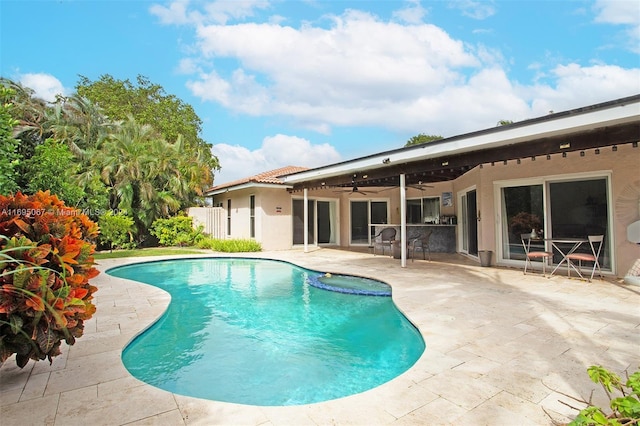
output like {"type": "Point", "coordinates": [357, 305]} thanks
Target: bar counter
{"type": "Point", "coordinates": [442, 240]}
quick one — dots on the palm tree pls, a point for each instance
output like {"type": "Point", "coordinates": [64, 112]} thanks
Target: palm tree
{"type": "Point", "coordinates": [137, 166]}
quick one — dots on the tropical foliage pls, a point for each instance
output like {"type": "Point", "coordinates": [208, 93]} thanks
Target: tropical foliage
{"type": "Point", "coordinates": [623, 395]}
{"type": "Point", "coordinates": [46, 262]}
{"type": "Point", "coordinates": [229, 246]}
{"type": "Point", "coordinates": [9, 158]}
{"type": "Point", "coordinates": [176, 231]}
{"type": "Point", "coordinates": [53, 168]}
{"type": "Point", "coordinates": [110, 146]}
{"type": "Point", "coordinates": [116, 230]}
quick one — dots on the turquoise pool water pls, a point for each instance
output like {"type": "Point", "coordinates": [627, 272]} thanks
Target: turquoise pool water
{"type": "Point", "coordinates": [256, 332]}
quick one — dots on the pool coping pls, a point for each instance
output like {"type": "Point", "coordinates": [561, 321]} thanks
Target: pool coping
{"type": "Point", "coordinates": [500, 346]}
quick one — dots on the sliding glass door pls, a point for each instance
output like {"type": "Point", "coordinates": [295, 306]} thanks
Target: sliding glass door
{"type": "Point", "coordinates": [553, 208]}
{"type": "Point", "coordinates": [522, 213]}
{"type": "Point", "coordinates": [323, 222]}
{"type": "Point", "coordinates": [363, 213]}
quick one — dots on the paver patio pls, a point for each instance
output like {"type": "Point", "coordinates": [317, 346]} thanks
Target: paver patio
{"type": "Point", "coordinates": [500, 346]}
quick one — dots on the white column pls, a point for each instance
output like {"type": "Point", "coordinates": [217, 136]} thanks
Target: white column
{"type": "Point", "coordinates": [306, 220]}
{"type": "Point", "coordinates": [403, 222]}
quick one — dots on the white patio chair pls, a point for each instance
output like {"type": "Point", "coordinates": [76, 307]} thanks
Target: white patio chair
{"type": "Point", "coordinates": [595, 241]}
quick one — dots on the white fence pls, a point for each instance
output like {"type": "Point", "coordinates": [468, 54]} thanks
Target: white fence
{"type": "Point", "coordinates": [212, 218]}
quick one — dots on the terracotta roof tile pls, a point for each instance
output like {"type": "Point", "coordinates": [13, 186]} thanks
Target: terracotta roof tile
{"type": "Point", "coordinates": [264, 177]}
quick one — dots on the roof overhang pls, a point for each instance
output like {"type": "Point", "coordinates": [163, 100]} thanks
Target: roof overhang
{"type": "Point", "coordinates": [610, 123]}
{"type": "Point", "coordinates": [247, 185]}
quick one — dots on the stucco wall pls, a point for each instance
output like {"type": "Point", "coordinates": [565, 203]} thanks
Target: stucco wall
{"type": "Point", "coordinates": [272, 216]}
{"type": "Point", "coordinates": [276, 228]}
{"type": "Point", "coordinates": [622, 164]}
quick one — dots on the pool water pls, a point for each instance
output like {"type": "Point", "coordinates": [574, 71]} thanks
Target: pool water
{"type": "Point", "coordinates": [254, 331]}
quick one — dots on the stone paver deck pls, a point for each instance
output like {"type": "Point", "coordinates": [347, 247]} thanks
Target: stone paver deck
{"type": "Point", "coordinates": [500, 347]}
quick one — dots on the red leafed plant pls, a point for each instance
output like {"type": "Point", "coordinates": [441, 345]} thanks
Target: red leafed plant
{"type": "Point", "coordinates": [46, 262]}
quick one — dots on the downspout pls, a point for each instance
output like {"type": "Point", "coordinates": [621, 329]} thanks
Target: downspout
{"type": "Point", "coordinates": [403, 222]}
{"type": "Point", "coordinates": [305, 209]}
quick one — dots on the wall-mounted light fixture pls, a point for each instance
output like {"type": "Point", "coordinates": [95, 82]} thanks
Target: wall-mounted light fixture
{"type": "Point", "coordinates": [548, 156]}
{"type": "Point", "coordinates": [597, 151]}
{"type": "Point", "coordinates": [614, 148]}
{"type": "Point", "coordinates": [564, 155]}
{"type": "Point", "coordinates": [533, 158]}
{"type": "Point", "coordinates": [386, 160]}
{"type": "Point", "coordinates": [581, 153]}
{"type": "Point", "coordinates": [634, 144]}
{"type": "Point", "coordinates": [504, 162]}
{"type": "Point", "coordinates": [518, 161]}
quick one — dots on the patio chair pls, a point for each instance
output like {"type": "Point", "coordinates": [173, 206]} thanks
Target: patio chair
{"type": "Point", "coordinates": [384, 238]}
{"type": "Point", "coordinates": [595, 241]}
{"type": "Point", "coordinates": [534, 255]}
{"type": "Point", "coordinates": [421, 242]}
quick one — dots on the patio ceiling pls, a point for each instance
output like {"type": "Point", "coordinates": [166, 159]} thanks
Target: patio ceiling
{"type": "Point", "coordinates": [448, 159]}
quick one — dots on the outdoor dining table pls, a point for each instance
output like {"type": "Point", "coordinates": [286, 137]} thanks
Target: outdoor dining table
{"type": "Point", "coordinates": [572, 244]}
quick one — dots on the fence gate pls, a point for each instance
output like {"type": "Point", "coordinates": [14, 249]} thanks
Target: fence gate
{"type": "Point", "coordinates": [212, 218]}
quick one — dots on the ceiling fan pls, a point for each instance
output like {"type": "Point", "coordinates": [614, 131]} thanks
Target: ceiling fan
{"type": "Point", "coordinates": [354, 189]}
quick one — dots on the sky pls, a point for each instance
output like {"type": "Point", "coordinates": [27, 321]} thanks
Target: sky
{"type": "Point", "coordinates": [312, 82]}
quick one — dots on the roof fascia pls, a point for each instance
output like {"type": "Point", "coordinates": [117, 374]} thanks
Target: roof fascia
{"type": "Point", "coordinates": [553, 125]}
{"type": "Point", "coordinates": [248, 185]}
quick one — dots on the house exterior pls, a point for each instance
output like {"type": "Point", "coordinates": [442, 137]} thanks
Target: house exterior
{"type": "Point", "coordinates": [564, 175]}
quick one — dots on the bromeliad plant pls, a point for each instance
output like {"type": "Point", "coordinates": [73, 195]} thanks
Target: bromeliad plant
{"type": "Point", "coordinates": [46, 263]}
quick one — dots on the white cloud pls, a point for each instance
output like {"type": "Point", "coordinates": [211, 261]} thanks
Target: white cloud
{"type": "Point", "coordinates": [360, 70]}
{"type": "Point", "coordinates": [475, 9]}
{"type": "Point", "coordinates": [357, 72]}
{"type": "Point", "coordinates": [621, 12]}
{"type": "Point", "coordinates": [175, 13]}
{"type": "Point", "coordinates": [576, 86]}
{"type": "Point", "coordinates": [276, 151]}
{"type": "Point", "coordinates": [219, 12]}
{"type": "Point", "coordinates": [45, 86]}
{"type": "Point", "coordinates": [413, 13]}
{"type": "Point", "coordinates": [617, 11]}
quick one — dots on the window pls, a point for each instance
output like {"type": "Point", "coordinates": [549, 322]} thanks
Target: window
{"type": "Point", "coordinates": [423, 210]}
{"type": "Point", "coordinates": [252, 216]}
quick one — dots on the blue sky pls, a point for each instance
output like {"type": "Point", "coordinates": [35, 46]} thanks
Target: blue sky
{"type": "Point", "coordinates": [314, 82]}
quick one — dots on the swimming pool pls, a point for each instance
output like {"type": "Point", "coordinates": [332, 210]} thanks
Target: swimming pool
{"type": "Point", "coordinates": [254, 331]}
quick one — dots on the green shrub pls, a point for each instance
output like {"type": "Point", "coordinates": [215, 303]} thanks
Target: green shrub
{"type": "Point", "coordinates": [176, 231]}
{"type": "Point", "coordinates": [624, 400]}
{"type": "Point", "coordinates": [116, 230]}
{"type": "Point", "coordinates": [229, 246]}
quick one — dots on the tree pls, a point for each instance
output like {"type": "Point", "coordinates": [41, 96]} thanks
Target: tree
{"type": "Point", "coordinates": [148, 104]}
{"type": "Point", "coordinates": [141, 173]}
{"type": "Point", "coordinates": [53, 168]}
{"type": "Point", "coordinates": [9, 157]}
{"type": "Point", "coordinates": [422, 138]}
{"type": "Point", "coordinates": [29, 111]}
{"type": "Point", "coordinates": [505, 122]}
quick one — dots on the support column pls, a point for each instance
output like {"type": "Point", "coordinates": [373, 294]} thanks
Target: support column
{"type": "Point", "coordinates": [403, 222]}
